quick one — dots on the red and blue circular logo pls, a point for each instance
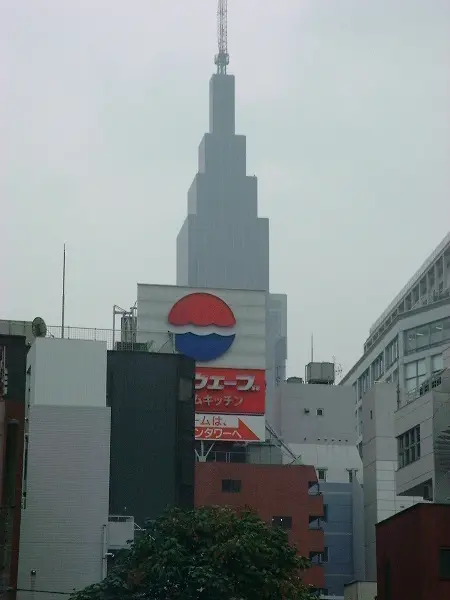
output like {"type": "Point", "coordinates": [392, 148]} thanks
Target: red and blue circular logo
{"type": "Point", "coordinates": [203, 325]}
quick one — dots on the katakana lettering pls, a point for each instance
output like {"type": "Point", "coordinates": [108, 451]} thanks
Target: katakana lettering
{"type": "Point", "coordinates": [200, 381]}
{"type": "Point", "coordinates": [217, 382]}
{"type": "Point", "coordinates": [227, 400]}
{"type": "Point", "coordinates": [238, 400]}
{"type": "Point", "coordinates": [247, 383]}
{"type": "Point", "coordinates": [218, 400]}
{"type": "Point", "coordinates": [198, 400]}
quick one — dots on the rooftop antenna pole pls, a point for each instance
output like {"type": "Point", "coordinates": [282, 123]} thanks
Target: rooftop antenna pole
{"type": "Point", "coordinates": [63, 304]}
{"type": "Point", "coordinates": [312, 347]}
{"type": "Point", "coordinates": [222, 58]}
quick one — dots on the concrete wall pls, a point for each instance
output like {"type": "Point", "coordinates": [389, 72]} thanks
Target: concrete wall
{"type": "Point", "coordinates": [361, 590]}
{"type": "Point", "coordinates": [379, 466]}
{"type": "Point", "coordinates": [335, 425]}
{"type": "Point", "coordinates": [66, 469]}
{"type": "Point", "coordinates": [66, 504]}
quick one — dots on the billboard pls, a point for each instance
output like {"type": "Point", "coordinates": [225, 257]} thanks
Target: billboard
{"type": "Point", "coordinates": [229, 428]}
{"type": "Point", "coordinates": [217, 328]}
{"type": "Point", "coordinates": [224, 331]}
{"type": "Point", "coordinates": [230, 391]}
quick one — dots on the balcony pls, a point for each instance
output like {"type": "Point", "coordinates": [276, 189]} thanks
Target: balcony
{"type": "Point", "coordinates": [315, 505]}
{"type": "Point", "coordinates": [316, 540]}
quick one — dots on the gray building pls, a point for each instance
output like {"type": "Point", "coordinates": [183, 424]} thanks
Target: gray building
{"type": "Point", "coordinates": [64, 526]}
{"type": "Point", "coordinates": [316, 422]}
{"type": "Point", "coordinates": [404, 349]}
{"type": "Point", "coordinates": [152, 433]}
{"type": "Point", "coordinates": [222, 242]}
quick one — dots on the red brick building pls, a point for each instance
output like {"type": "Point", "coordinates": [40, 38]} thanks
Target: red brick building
{"type": "Point", "coordinates": [413, 554]}
{"type": "Point", "coordinates": [285, 495]}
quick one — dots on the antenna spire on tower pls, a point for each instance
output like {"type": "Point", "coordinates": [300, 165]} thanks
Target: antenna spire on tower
{"type": "Point", "coordinates": [222, 58]}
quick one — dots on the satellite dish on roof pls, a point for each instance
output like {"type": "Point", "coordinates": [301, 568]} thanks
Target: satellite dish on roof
{"type": "Point", "coordinates": [38, 327]}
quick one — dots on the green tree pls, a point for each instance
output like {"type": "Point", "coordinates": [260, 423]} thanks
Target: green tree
{"type": "Point", "coordinates": [209, 553]}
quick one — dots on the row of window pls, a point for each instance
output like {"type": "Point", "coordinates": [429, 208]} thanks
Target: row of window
{"type": "Point", "coordinates": [382, 362]}
{"type": "Point", "coordinates": [416, 371]}
{"type": "Point", "coordinates": [431, 334]}
{"type": "Point", "coordinates": [408, 445]}
{"type": "Point", "coordinates": [319, 411]}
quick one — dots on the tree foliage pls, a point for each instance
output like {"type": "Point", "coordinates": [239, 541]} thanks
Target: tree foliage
{"type": "Point", "coordinates": [210, 553]}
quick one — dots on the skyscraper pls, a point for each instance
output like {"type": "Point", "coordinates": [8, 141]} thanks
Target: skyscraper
{"type": "Point", "coordinates": [222, 242]}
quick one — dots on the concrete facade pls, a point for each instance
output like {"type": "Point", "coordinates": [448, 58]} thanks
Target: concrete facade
{"type": "Point", "coordinates": [66, 469]}
{"type": "Point", "coordinates": [379, 466]}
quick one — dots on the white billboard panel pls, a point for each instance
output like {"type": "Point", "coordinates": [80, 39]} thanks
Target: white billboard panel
{"type": "Point", "coordinates": [218, 328]}
{"type": "Point", "coordinates": [229, 428]}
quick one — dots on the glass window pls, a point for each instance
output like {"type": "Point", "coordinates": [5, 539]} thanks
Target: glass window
{"type": "Point", "coordinates": [436, 332]}
{"type": "Point", "coordinates": [446, 329]}
{"type": "Point", "coordinates": [437, 363]}
{"type": "Point", "coordinates": [408, 447]}
{"type": "Point", "coordinates": [410, 341]}
{"type": "Point", "coordinates": [421, 367]}
{"type": "Point", "coordinates": [422, 337]}
{"type": "Point", "coordinates": [231, 485]}
{"type": "Point", "coordinates": [411, 370]}
{"type": "Point", "coordinates": [322, 474]}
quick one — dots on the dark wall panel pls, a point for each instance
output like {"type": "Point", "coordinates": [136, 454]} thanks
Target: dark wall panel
{"type": "Point", "coordinates": [152, 433]}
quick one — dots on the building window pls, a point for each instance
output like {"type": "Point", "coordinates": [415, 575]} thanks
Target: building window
{"type": "Point", "coordinates": [391, 353]}
{"type": "Point", "coordinates": [320, 412]}
{"type": "Point", "coordinates": [408, 447]}
{"type": "Point", "coordinates": [415, 374]}
{"type": "Point", "coordinates": [378, 367]}
{"type": "Point", "coordinates": [437, 363]}
{"type": "Point", "coordinates": [324, 556]}
{"type": "Point", "coordinates": [444, 563]}
{"type": "Point", "coordinates": [283, 522]}
{"type": "Point", "coordinates": [363, 383]}
{"type": "Point", "coordinates": [231, 485]}
{"type": "Point", "coordinates": [431, 334]}
{"type": "Point", "coordinates": [322, 474]}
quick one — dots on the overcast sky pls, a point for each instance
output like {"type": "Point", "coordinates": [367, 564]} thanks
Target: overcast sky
{"type": "Point", "coordinates": [346, 108]}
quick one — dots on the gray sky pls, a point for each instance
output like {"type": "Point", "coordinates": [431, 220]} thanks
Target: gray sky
{"type": "Point", "coordinates": [346, 108]}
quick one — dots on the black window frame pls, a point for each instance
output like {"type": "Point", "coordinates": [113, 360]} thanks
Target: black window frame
{"type": "Point", "coordinates": [282, 521]}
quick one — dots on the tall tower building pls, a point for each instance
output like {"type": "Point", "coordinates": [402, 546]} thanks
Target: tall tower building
{"type": "Point", "coordinates": [222, 242]}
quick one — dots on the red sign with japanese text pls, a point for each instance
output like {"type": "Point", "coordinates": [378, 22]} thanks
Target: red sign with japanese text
{"type": "Point", "coordinates": [230, 391]}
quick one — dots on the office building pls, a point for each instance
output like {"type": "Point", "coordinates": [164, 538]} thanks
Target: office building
{"type": "Point", "coordinates": [152, 433]}
{"type": "Point", "coordinates": [64, 527]}
{"type": "Point", "coordinates": [404, 349]}
{"type": "Point", "coordinates": [13, 353]}
{"type": "Point", "coordinates": [413, 554]}
{"type": "Point", "coordinates": [284, 495]}
{"type": "Point", "coordinates": [406, 342]}
{"type": "Point", "coordinates": [315, 421]}
{"type": "Point", "coordinates": [223, 243]}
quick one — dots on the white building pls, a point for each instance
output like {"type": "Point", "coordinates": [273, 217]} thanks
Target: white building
{"type": "Point", "coordinates": [64, 528]}
{"type": "Point", "coordinates": [404, 349]}
{"type": "Point", "coordinates": [405, 344]}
